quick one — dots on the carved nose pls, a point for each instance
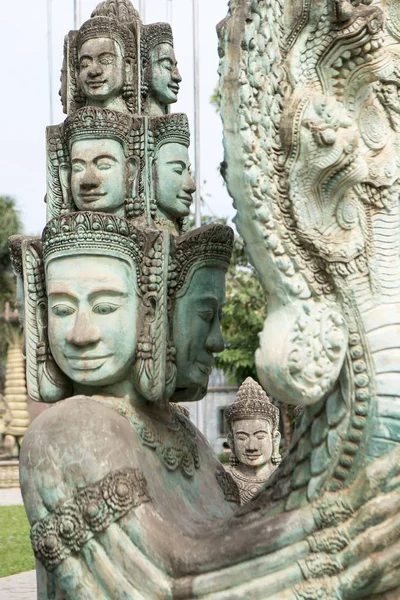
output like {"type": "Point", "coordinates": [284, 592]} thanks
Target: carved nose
{"type": "Point", "coordinates": [176, 76]}
{"type": "Point", "coordinates": [190, 186]}
{"type": "Point", "coordinates": [89, 180]}
{"type": "Point", "coordinates": [251, 446]}
{"type": "Point", "coordinates": [215, 341]}
{"type": "Point", "coordinates": [95, 69]}
{"type": "Point", "coordinates": [83, 331]}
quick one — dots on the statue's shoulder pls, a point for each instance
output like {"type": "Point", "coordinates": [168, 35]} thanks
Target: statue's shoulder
{"type": "Point", "coordinates": [79, 418]}
{"type": "Point", "coordinates": [75, 443]}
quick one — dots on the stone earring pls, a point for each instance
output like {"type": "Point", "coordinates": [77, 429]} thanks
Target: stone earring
{"type": "Point", "coordinates": [233, 461]}
{"type": "Point", "coordinates": [128, 94]}
{"type": "Point", "coordinates": [53, 385]}
{"type": "Point", "coordinates": [276, 457]}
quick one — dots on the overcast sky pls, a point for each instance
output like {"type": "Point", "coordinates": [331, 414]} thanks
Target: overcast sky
{"type": "Point", "coordinates": [24, 98]}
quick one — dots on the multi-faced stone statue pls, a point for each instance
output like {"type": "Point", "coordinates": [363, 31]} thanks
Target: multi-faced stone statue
{"type": "Point", "coordinates": [95, 266]}
{"type": "Point", "coordinates": [172, 182]}
{"type": "Point", "coordinates": [254, 438]}
{"type": "Point", "coordinates": [198, 289]}
{"type": "Point", "coordinates": [160, 75]}
{"type": "Point", "coordinates": [102, 66]}
{"type": "Point", "coordinates": [98, 166]}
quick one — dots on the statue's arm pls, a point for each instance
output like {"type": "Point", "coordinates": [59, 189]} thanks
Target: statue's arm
{"type": "Point", "coordinates": [347, 544]}
{"type": "Point", "coordinates": [85, 500]}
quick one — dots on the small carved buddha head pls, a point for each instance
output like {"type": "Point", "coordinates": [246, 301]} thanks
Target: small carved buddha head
{"type": "Point", "coordinates": [105, 56]}
{"type": "Point", "coordinates": [160, 75]}
{"type": "Point", "coordinates": [253, 427]}
{"type": "Point", "coordinates": [202, 258]}
{"type": "Point", "coordinates": [102, 174]}
{"type": "Point", "coordinates": [173, 184]}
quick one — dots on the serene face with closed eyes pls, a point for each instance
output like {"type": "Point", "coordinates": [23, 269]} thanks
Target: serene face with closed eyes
{"type": "Point", "coordinates": [98, 175]}
{"type": "Point", "coordinates": [101, 70]}
{"type": "Point", "coordinates": [197, 330]}
{"type": "Point", "coordinates": [92, 305]}
{"type": "Point", "coordinates": [252, 440]}
{"type": "Point", "coordinates": [174, 182]}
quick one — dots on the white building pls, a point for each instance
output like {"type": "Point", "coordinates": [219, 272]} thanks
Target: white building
{"type": "Point", "coordinates": [208, 414]}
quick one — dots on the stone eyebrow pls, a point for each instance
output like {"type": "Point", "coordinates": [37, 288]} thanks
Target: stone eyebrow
{"type": "Point", "coordinates": [177, 161]}
{"type": "Point", "coordinates": [90, 56]}
{"type": "Point", "coordinates": [105, 156]}
{"type": "Point", "coordinates": [110, 291]}
{"type": "Point", "coordinates": [81, 160]}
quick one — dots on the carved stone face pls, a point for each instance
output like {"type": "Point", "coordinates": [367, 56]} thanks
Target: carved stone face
{"type": "Point", "coordinates": [101, 70]}
{"type": "Point", "coordinates": [197, 330]}
{"type": "Point", "coordinates": [92, 304]}
{"type": "Point", "coordinates": [165, 77]}
{"type": "Point", "coordinates": [252, 441]}
{"type": "Point", "coordinates": [174, 183]}
{"type": "Point", "coordinates": [98, 176]}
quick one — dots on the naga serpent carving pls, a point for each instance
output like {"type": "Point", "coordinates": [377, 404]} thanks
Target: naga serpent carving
{"type": "Point", "coordinates": [310, 117]}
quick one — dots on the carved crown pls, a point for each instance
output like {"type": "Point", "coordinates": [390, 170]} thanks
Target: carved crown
{"type": "Point", "coordinates": [108, 27]}
{"type": "Point", "coordinates": [252, 402]}
{"type": "Point", "coordinates": [154, 34]}
{"type": "Point", "coordinates": [93, 233]}
{"type": "Point", "coordinates": [170, 128]}
{"type": "Point", "coordinates": [121, 10]}
{"type": "Point", "coordinates": [210, 245]}
{"type": "Point", "coordinates": [95, 122]}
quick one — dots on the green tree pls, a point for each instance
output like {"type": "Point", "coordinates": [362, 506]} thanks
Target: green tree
{"type": "Point", "coordinates": [243, 317]}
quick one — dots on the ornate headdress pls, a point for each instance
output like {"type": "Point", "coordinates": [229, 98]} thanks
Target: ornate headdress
{"type": "Point", "coordinates": [152, 35]}
{"type": "Point", "coordinates": [170, 128]}
{"type": "Point", "coordinates": [252, 403]}
{"type": "Point", "coordinates": [121, 10]}
{"type": "Point", "coordinates": [210, 245]}
{"type": "Point", "coordinates": [93, 233]}
{"type": "Point", "coordinates": [94, 122]}
{"type": "Point", "coordinates": [107, 27]}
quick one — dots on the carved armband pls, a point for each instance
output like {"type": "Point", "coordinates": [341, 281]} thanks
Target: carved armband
{"type": "Point", "coordinates": [228, 486]}
{"type": "Point", "coordinates": [91, 510]}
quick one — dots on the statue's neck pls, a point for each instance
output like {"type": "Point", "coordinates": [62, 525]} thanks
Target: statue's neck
{"type": "Point", "coordinates": [261, 472]}
{"type": "Point", "coordinates": [122, 389]}
{"type": "Point", "coordinates": [126, 393]}
{"type": "Point", "coordinates": [165, 222]}
{"type": "Point", "coordinates": [116, 103]}
{"type": "Point", "coordinates": [154, 108]}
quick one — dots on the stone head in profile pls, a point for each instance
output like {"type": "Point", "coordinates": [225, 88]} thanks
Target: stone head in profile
{"type": "Point", "coordinates": [160, 74]}
{"type": "Point", "coordinates": [202, 258]}
{"type": "Point", "coordinates": [173, 184]}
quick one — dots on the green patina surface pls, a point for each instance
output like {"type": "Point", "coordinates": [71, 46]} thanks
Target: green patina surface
{"type": "Point", "coordinates": [122, 313]}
